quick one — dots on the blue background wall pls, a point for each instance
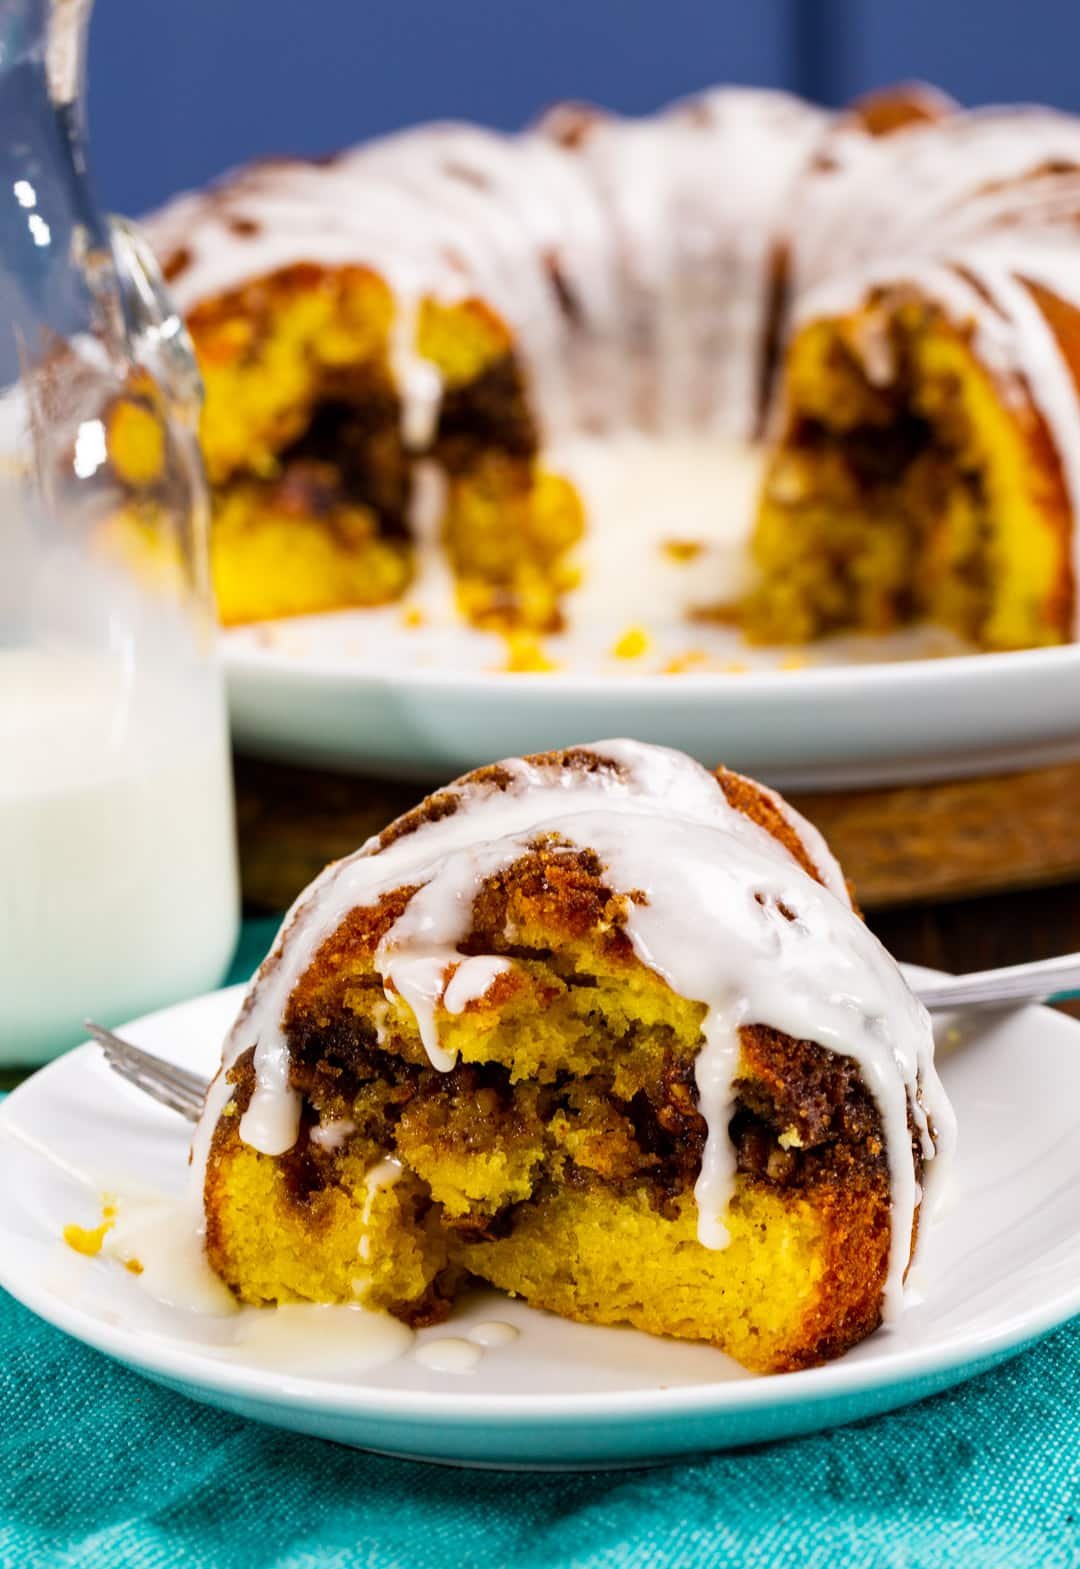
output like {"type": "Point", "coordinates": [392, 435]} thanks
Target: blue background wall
{"type": "Point", "coordinates": [180, 91]}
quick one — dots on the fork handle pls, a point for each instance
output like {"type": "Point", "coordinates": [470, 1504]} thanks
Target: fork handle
{"type": "Point", "coordinates": [1045, 980]}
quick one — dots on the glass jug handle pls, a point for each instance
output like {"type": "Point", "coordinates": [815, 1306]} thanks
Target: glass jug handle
{"type": "Point", "coordinates": [154, 331]}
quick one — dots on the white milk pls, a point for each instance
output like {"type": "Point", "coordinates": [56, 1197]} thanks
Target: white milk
{"type": "Point", "coordinates": [118, 884]}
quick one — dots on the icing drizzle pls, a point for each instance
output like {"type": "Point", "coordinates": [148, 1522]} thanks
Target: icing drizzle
{"type": "Point", "coordinates": [729, 918]}
{"type": "Point", "coordinates": [647, 242]}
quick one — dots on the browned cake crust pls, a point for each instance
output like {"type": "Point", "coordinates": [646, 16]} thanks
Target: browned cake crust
{"type": "Point", "coordinates": [889, 109]}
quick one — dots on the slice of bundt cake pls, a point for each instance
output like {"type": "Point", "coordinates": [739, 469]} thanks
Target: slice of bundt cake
{"type": "Point", "coordinates": [599, 1028]}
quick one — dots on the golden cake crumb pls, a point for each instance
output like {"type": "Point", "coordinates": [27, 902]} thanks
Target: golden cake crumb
{"type": "Point", "coordinates": [87, 1241]}
{"type": "Point", "coordinates": [632, 644]}
{"type": "Point", "coordinates": [526, 653]}
{"type": "Point", "coordinates": [692, 659]}
{"type": "Point", "coordinates": [683, 550]}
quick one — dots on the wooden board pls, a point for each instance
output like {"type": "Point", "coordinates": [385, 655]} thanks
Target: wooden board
{"type": "Point", "coordinates": [910, 844]}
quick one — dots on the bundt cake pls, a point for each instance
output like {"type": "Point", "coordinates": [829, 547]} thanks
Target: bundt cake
{"type": "Point", "coordinates": [539, 360]}
{"type": "Point", "coordinates": [599, 1028]}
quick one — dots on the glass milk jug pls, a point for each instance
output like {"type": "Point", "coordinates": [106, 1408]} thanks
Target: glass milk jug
{"type": "Point", "coordinates": [118, 885]}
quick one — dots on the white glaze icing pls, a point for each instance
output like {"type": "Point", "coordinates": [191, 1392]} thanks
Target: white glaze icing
{"type": "Point", "coordinates": [642, 492]}
{"type": "Point", "coordinates": [928, 190]}
{"type": "Point", "coordinates": [332, 1135]}
{"type": "Point", "coordinates": [449, 1355]}
{"type": "Point", "coordinates": [316, 1340]}
{"type": "Point", "coordinates": [710, 924]}
{"type": "Point", "coordinates": [384, 1174]}
{"type": "Point", "coordinates": [472, 981]}
{"type": "Point", "coordinates": [153, 1236]}
{"type": "Point", "coordinates": [653, 238]}
{"type": "Point", "coordinates": [493, 1334]}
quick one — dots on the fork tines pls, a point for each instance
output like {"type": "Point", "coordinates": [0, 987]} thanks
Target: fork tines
{"type": "Point", "coordinates": [175, 1087]}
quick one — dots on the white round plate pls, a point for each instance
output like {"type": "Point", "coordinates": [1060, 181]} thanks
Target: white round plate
{"type": "Point", "coordinates": [355, 691]}
{"type": "Point", "coordinates": [1000, 1269]}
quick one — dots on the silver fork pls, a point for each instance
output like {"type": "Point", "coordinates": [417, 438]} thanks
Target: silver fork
{"type": "Point", "coordinates": [1046, 980]}
{"type": "Point", "coordinates": [163, 1081]}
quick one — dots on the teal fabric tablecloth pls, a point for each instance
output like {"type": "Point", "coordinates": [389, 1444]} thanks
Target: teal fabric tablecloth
{"type": "Point", "coordinates": [99, 1467]}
